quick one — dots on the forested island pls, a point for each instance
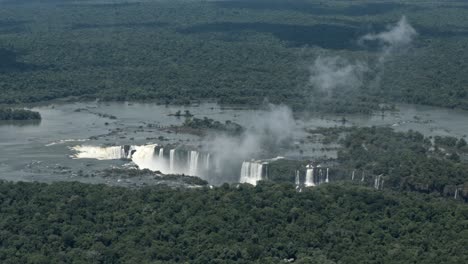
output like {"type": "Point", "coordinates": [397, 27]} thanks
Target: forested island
{"type": "Point", "coordinates": [9, 114]}
{"type": "Point", "coordinates": [205, 125]}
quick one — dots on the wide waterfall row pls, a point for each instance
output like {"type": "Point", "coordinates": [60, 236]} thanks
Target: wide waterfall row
{"type": "Point", "coordinates": [152, 157]}
{"type": "Point", "coordinates": [314, 176]}
{"type": "Point", "coordinates": [183, 161]}
{"type": "Point", "coordinates": [253, 171]}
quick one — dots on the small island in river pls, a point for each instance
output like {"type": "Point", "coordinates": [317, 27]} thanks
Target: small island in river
{"type": "Point", "coordinates": [10, 114]}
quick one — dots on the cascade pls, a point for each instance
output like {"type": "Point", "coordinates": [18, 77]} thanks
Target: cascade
{"type": "Point", "coordinates": [149, 157]}
{"type": "Point", "coordinates": [378, 184]}
{"type": "Point", "coordinates": [309, 182]}
{"type": "Point", "coordinates": [245, 169]}
{"type": "Point", "coordinates": [193, 163]}
{"type": "Point", "coordinates": [129, 150]}
{"type": "Point", "coordinates": [456, 193]}
{"type": "Point", "coordinates": [171, 160]}
{"type": "Point", "coordinates": [352, 176]}
{"type": "Point", "coordinates": [298, 181]}
{"type": "Point", "coordinates": [252, 172]}
{"type": "Point", "coordinates": [327, 180]}
{"type": "Point", "coordinates": [162, 163]}
{"type": "Point", "coordinates": [144, 158]}
{"type": "Point", "coordinates": [124, 151]}
{"type": "Point", "coordinates": [99, 153]}
{"type": "Point", "coordinates": [161, 153]}
{"type": "Point", "coordinates": [207, 161]}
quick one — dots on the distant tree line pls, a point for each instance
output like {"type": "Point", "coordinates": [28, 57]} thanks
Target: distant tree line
{"type": "Point", "coordinates": [18, 114]}
{"type": "Point", "coordinates": [232, 54]}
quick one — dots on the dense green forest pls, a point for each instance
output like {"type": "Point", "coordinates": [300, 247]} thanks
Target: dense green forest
{"type": "Point", "coordinates": [269, 223]}
{"type": "Point", "coordinates": [233, 52]}
{"type": "Point", "coordinates": [394, 197]}
{"type": "Point", "coordinates": [406, 160]}
{"type": "Point", "coordinates": [18, 114]}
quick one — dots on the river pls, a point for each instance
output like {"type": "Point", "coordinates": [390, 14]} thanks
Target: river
{"type": "Point", "coordinates": [43, 151]}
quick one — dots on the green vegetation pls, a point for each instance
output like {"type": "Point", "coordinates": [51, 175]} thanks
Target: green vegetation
{"type": "Point", "coordinates": [406, 160]}
{"type": "Point", "coordinates": [246, 52]}
{"type": "Point", "coordinates": [79, 223]}
{"type": "Point", "coordinates": [210, 124]}
{"type": "Point", "coordinates": [145, 173]}
{"type": "Point", "coordinates": [234, 52]}
{"type": "Point", "coordinates": [18, 114]}
{"type": "Point", "coordinates": [179, 113]}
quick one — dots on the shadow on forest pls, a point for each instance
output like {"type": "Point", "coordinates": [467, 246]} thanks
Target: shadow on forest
{"type": "Point", "coordinates": [323, 35]}
{"type": "Point", "coordinates": [11, 27]}
{"type": "Point", "coordinates": [313, 8]}
{"type": "Point", "coordinates": [123, 25]}
{"type": "Point", "coordinates": [9, 62]}
{"type": "Point", "coordinates": [327, 36]}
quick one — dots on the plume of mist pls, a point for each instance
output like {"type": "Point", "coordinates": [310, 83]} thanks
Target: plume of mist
{"type": "Point", "coordinates": [268, 130]}
{"type": "Point", "coordinates": [330, 73]}
{"type": "Point", "coordinates": [397, 37]}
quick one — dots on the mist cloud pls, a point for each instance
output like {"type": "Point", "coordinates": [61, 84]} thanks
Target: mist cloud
{"type": "Point", "coordinates": [398, 36]}
{"type": "Point", "coordinates": [330, 73]}
{"type": "Point", "coordinates": [267, 130]}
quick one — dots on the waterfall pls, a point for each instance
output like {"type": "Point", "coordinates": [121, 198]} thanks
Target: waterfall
{"type": "Point", "coordinates": [378, 183]}
{"type": "Point", "coordinates": [127, 151]}
{"type": "Point", "coordinates": [99, 153]}
{"type": "Point", "coordinates": [363, 177]}
{"type": "Point", "coordinates": [149, 157]}
{"type": "Point", "coordinates": [171, 160]}
{"type": "Point", "coordinates": [207, 161]}
{"type": "Point", "coordinates": [123, 152]}
{"type": "Point", "coordinates": [245, 172]}
{"type": "Point", "coordinates": [309, 182]}
{"type": "Point", "coordinates": [161, 153]}
{"type": "Point", "coordinates": [298, 180]}
{"type": "Point", "coordinates": [456, 193]}
{"type": "Point", "coordinates": [193, 163]}
{"type": "Point", "coordinates": [352, 176]}
{"type": "Point", "coordinates": [315, 177]}
{"type": "Point", "coordinates": [162, 163]}
{"type": "Point", "coordinates": [144, 158]}
{"type": "Point", "coordinates": [252, 172]}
